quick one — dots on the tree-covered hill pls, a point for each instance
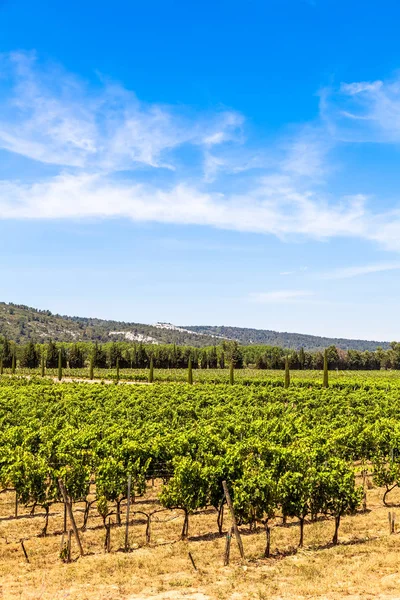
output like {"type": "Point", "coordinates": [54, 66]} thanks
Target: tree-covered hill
{"type": "Point", "coordinates": [285, 340]}
{"type": "Point", "coordinates": [21, 323]}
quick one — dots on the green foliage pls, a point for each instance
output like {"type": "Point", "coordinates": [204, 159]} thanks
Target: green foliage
{"type": "Point", "coordinates": [287, 373]}
{"type": "Point", "coordinates": [30, 356]}
{"type": "Point", "coordinates": [281, 451]}
{"type": "Point", "coordinates": [151, 371]}
{"type": "Point", "coordinates": [52, 355]}
{"type": "Point", "coordinates": [91, 366]}
{"type": "Point", "coordinates": [187, 489]}
{"type": "Point", "coordinates": [231, 373]}
{"type": "Point", "coordinates": [59, 365]}
{"type": "Point", "coordinates": [190, 372]}
{"type": "Point", "coordinates": [326, 377]}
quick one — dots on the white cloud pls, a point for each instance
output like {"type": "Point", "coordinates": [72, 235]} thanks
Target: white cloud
{"type": "Point", "coordinates": [356, 271]}
{"type": "Point", "coordinates": [272, 207]}
{"type": "Point", "coordinates": [280, 296]}
{"type": "Point", "coordinates": [92, 134]}
{"type": "Point", "coordinates": [51, 117]}
{"type": "Point", "coordinates": [366, 111]}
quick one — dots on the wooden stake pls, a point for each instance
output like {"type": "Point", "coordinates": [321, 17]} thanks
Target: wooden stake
{"type": "Point", "coordinates": [16, 505]}
{"type": "Point", "coordinates": [192, 561]}
{"type": "Point", "coordinates": [364, 474]}
{"type": "Point", "coordinates": [393, 522]}
{"type": "Point", "coordinates": [62, 542]}
{"type": "Point", "coordinates": [228, 547]}
{"type": "Point", "coordinates": [234, 524]}
{"type": "Point", "coordinates": [25, 552]}
{"type": "Point", "coordinates": [69, 544]}
{"type": "Point", "coordinates": [127, 514]}
{"type": "Point", "coordinates": [70, 514]}
{"type": "Point", "coordinates": [107, 541]}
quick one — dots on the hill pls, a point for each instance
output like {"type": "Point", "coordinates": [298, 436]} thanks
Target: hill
{"type": "Point", "coordinates": [285, 340]}
{"type": "Point", "coordinates": [21, 323]}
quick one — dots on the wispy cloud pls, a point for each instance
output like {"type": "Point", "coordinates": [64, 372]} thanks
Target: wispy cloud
{"type": "Point", "coordinates": [50, 116]}
{"type": "Point", "coordinates": [356, 271]}
{"type": "Point", "coordinates": [280, 296]}
{"type": "Point", "coordinates": [273, 207]}
{"type": "Point", "coordinates": [365, 111]}
{"type": "Point", "coordinates": [286, 273]}
{"type": "Point", "coordinates": [92, 133]}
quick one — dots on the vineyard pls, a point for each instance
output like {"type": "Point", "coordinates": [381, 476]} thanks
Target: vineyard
{"type": "Point", "coordinates": [300, 464]}
{"type": "Point", "coordinates": [247, 376]}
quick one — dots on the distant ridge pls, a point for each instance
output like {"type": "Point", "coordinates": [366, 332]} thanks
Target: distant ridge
{"type": "Point", "coordinates": [248, 336]}
{"type": "Point", "coordinates": [21, 323]}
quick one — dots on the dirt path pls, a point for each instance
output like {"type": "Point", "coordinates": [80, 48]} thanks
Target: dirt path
{"type": "Point", "coordinates": [81, 380]}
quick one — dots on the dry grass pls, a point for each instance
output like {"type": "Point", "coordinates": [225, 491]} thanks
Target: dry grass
{"type": "Point", "coordinates": [364, 565]}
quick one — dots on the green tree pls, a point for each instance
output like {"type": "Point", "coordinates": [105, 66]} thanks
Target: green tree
{"type": "Point", "coordinates": [91, 368]}
{"type": "Point", "coordinates": [287, 372]}
{"type": "Point", "coordinates": [76, 359]}
{"type": "Point", "coordinates": [190, 371]}
{"type": "Point", "coordinates": [213, 358]}
{"type": "Point", "coordinates": [231, 373]}
{"type": "Point", "coordinates": [151, 370]}
{"type": "Point", "coordinates": [59, 365]}
{"type": "Point", "coordinates": [302, 358]}
{"type": "Point", "coordinates": [52, 355]}
{"type": "Point", "coordinates": [7, 353]}
{"type": "Point", "coordinates": [203, 360]}
{"type": "Point", "coordinates": [30, 357]}
{"type": "Point", "coordinates": [326, 377]}
{"type": "Point", "coordinates": [99, 357]}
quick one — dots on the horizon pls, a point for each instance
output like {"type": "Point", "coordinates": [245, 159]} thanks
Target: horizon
{"type": "Point", "coordinates": [234, 164]}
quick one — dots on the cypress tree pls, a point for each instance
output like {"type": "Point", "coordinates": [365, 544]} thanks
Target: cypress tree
{"type": "Point", "coordinates": [59, 365]}
{"type": "Point", "coordinates": [302, 358]}
{"type": "Point", "coordinates": [13, 363]}
{"type": "Point", "coordinates": [42, 365]}
{"type": "Point", "coordinates": [287, 373]}
{"type": "Point", "coordinates": [190, 371]}
{"type": "Point", "coordinates": [52, 355]}
{"type": "Point", "coordinates": [7, 353]}
{"type": "Point", "coordinates": [117, 365]}
{"type": "Point", "coordinates": [231, 373]}
{"type": "Point", "coordinates": [151, 371]}
{"type": "Point", "coordinates": [91, 366]}
{"type": "Point", "coordinates": [29, 357]}
{"type": "Point", "coordinates": [326, 379]}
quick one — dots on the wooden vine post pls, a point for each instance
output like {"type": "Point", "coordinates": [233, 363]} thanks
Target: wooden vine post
{"type": "Point", "coordinates": [127, 513]}
{"type": "Point", "coordinates": [70, 514]}
{"type": "Point", "coordinates": [228, 547]}
{"type": "Point", "coordinates": [234, 524]}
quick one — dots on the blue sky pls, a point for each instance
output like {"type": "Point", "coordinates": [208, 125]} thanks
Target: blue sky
{"type": "Point", "coordinates": [203, 163]}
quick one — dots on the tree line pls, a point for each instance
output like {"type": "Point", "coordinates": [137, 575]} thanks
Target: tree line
{"type": "Point", "coordinates": [171, 356]}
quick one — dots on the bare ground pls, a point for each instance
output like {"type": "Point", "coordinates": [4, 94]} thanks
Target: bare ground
{"type": "Point", "coordinates": [365, 565]}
